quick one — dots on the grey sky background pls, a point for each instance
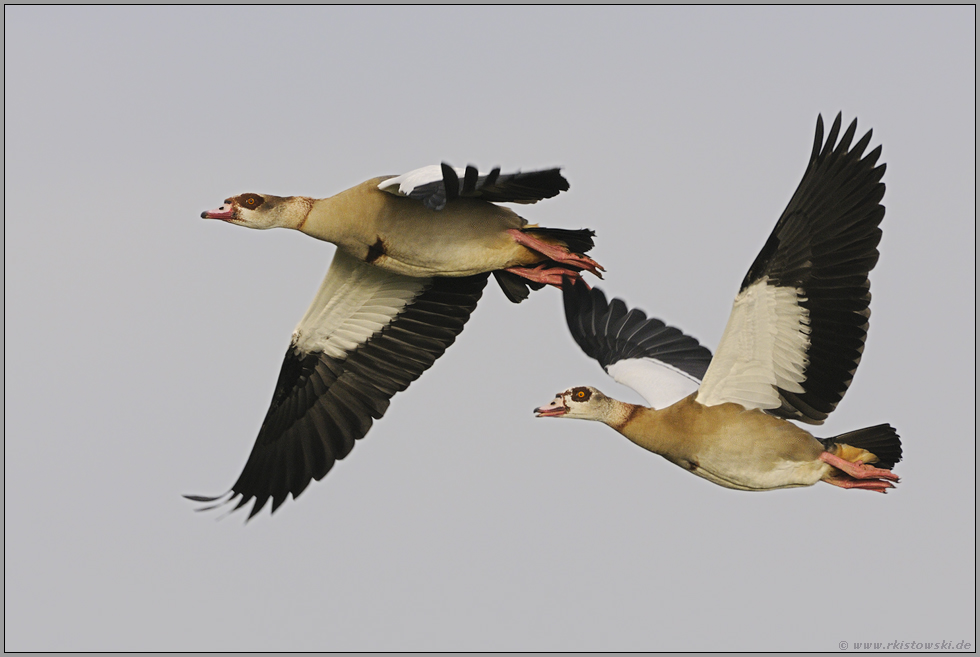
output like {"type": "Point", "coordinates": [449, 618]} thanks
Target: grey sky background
{"type": "Point", "coordinates": [142, 343]}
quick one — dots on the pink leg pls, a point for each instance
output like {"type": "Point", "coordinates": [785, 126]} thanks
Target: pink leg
{"type": "Point", "coordinates": [858, 470]}
{"type": "Point", "coordinates": [864, 484]}
{"type": "Point", "coordinates": [557, 253]}
{"type": "Point", "coordinates": [543, 274]}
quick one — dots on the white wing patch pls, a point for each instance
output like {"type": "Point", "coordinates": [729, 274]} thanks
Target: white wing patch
{"type": "Point", "coordinates": [404, 184]}
{"type": "Point", "coordinates": [659, 383]}
{"type": "Point", "coordinates": [355, 301]}
{"type": "Point", "coordinates": [764, 347]}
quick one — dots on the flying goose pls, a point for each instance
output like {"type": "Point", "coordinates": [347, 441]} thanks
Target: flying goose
{"type": "Point", "coordinates": [413, 256]}
{"type": "Point", "coordinates": [790, 349]}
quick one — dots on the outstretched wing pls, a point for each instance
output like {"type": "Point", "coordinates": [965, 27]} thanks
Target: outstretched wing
{"type": "Point", "coordinates": [367, 335]}
{"type": "Point", "coordinates": [656, 360]}
{"type": "Point", "coordinates": [436, 185]}
{"type": "Point", "coordinates": [799, 322]}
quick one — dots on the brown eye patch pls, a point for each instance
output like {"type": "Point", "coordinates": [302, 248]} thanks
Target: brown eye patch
{"type": "Point", "coordinates": [581, 394]}
{"type": "Point", "coordinates": [250, 201]}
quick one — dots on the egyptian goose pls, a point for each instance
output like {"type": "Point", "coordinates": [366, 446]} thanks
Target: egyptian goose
{"type": "Point", "coordinates": [413, 256]}
{"type": "Point", "coordinates": [790, 349]}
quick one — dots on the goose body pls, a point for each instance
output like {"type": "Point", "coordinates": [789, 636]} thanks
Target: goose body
{"type": "Point", "coordinates": [406, 225]}
{"type": "Point", "coordinates": [414, 253]}
{"type": "Point", "coordinates": [793, 341]}
{"type": "Point", "coordinates": [401, 235]}
{"type": "Point", "coordinates": [725, 444]}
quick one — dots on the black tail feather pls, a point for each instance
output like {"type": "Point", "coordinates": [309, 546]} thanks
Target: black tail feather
{"type": "Point", "coordinates": [881, 440]}
{"type": "Point", "coordinates": [577, 241]}
{"type": "Point", "coordinates": [515, 288]}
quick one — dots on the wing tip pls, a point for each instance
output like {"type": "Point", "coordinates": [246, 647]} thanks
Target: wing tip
{"type": "Point", "coordinates": [609, 331]}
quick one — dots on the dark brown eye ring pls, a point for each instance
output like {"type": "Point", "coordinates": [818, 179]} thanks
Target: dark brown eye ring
{"type": "Point", "coordinates": [253, 201]}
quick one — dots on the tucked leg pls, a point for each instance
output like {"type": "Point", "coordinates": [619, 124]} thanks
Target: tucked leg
{"type": "Point", "coordinates": [858, 470]}
{"type": "Point", "coordinates": [542, 274]}
{"type": "Point", "coordinates": [557, 253]}
{"type": "Point", "coordinates": [876, 485]}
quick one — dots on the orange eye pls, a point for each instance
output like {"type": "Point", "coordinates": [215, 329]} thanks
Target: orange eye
{"type": "Point", "coordinates": [580, 394]}
{"type": "Point", "coordinates": [251, 201]}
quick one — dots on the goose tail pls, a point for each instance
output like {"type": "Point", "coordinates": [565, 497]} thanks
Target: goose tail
{"type": "Point", "coordinates": [881, 440]}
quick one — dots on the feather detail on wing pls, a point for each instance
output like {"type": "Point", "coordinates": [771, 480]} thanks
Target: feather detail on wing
{"type": "Point", "coordinates": [656, 360]}
{"type": "Point", "coordinates": [367, 335]}
{"type": "Point", "coordinates": [436, 185]}
{"type": "Point", "coordinates": [762, 349]}
{"type": "Point", "coordinates": [798, 324]}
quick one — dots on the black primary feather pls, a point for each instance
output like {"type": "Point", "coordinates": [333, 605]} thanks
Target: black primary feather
{"type": "Point", "coordinates": [610, 332]}
{"type": "Point", "coordinates": [824, 245]}
{"type": "Point", "coordinates": [323, 404]}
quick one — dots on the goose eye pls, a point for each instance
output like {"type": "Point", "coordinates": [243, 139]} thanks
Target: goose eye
{"type": "Point", "coordinates": [580, 394]}
{"type": "Point", "coordinates": [253, 201]}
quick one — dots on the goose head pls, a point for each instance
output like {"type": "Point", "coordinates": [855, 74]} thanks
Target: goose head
{"type": "Point", "coordinates": [262, 211]}
{"type": "Point", "coordinates": [580, 402]}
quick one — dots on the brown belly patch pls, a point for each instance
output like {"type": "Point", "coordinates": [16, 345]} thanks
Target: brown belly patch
{"type": "Point", "coordinates": [375, 251]}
